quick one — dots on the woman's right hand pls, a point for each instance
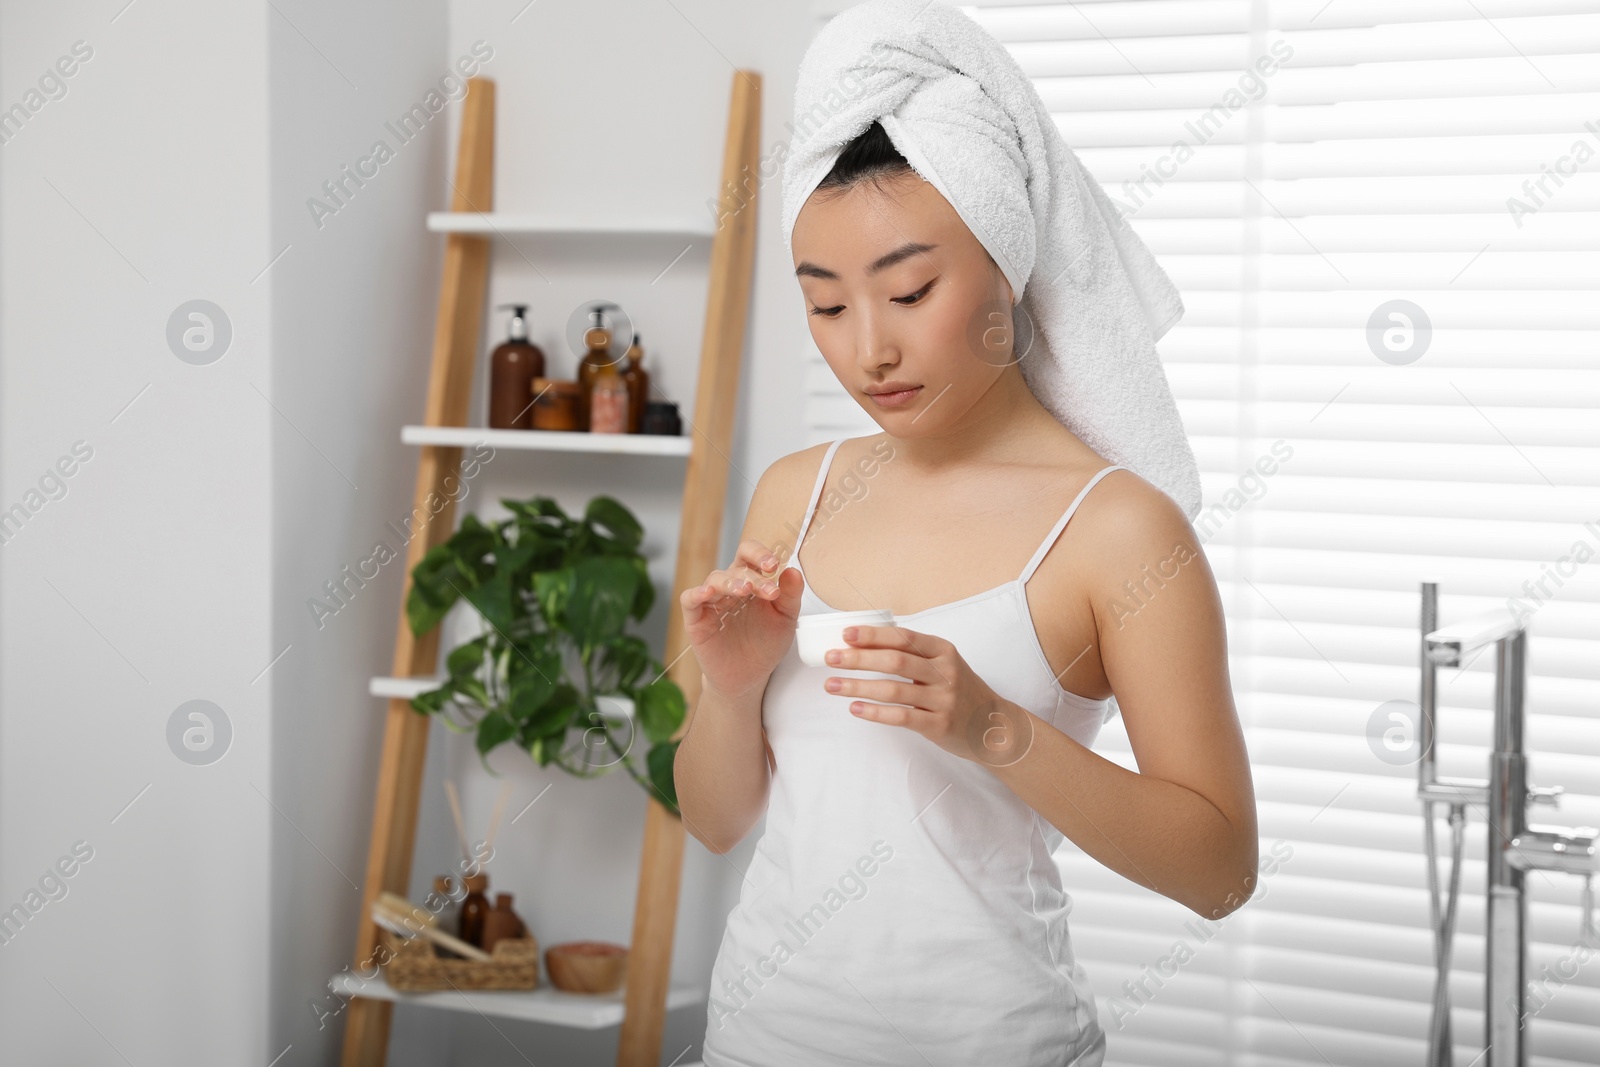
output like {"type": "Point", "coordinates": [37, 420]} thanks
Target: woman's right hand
{"type": "Point", "coordinates": [741, 621]}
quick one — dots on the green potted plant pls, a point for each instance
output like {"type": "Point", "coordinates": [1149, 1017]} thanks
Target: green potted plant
{"type": "Point", "coordinates": [556, 594]}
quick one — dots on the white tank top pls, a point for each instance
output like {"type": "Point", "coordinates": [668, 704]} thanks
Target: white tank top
{"type": "Point", "coordinates": [902, 906]}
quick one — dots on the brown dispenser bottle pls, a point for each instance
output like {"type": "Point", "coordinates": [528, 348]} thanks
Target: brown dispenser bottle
{"type": "Point", "coordinates": [596, 359]}
{"type": "Point", "coordinates": [638, 381]}
{"type": "Point", "coordinates": [512, 368]}
{"type": "Point", "coordinates": [474, 909]}
{"type": "Point", "coordinates": [501, 922]}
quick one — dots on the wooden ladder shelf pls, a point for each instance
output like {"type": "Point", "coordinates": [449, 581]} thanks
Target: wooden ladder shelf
{"type": "Point", "coordinates": [455, 345]}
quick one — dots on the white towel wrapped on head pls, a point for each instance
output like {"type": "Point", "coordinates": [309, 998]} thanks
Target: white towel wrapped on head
{"type": "Point", "coordinates": [965, 116]}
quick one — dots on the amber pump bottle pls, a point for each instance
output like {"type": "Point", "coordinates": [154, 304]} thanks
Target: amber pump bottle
{"type": "Point", "coordinates": [597, 359]}
{"type": "Point", "coordinates": [474, 909]}
{"type": "Point", "coordinates": [512, 368]}
{"type": "Point", "coordinates": [638, 381]}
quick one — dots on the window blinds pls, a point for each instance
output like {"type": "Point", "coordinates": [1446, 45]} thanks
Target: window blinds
{"type": "Point", "coordinates": [1385, 221]}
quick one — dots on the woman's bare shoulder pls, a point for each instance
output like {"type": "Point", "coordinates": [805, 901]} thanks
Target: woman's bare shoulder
{"type": "Point", "coordinates": [796, 468]}
{"type": "Point", "coordinates": [795, 474]}
{"type": "Point", "coordinates": [790, 478]}
{"type": "Point", "coordinates": [1126, 509]}
{"type": "Point", "coordinates": [781, 494]}
{"type": "Point", "coordinates": [1131, 529]}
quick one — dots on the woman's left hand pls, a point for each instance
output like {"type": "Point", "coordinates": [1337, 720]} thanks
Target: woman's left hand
{"type": "Point", "coordinates": [945, 701]}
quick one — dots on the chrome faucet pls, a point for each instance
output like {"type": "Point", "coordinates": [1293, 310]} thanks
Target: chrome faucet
{"type": "Point", "coordinates": [1515, 846]}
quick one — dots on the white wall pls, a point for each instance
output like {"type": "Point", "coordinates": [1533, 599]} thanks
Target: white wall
{"type": "Point", "coordinates": [352, 312]}
{"type": "Point", "coordinates": [180, 562]}
{"type": "Point", "coordinates": [149, 583]}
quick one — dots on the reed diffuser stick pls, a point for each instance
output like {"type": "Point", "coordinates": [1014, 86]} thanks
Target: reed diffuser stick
{"type": "Point", "coordinates": [461, 826]}
{"type": "Point", "coordinates": [499, 809]}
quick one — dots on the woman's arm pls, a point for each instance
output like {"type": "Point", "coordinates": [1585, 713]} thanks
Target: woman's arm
{"type": "Point", "coordinates": [1185, 824]}
{"type": "Point", "coordinates": [723, 767]}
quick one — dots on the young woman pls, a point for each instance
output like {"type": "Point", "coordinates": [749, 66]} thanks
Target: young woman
{"type": "Point", "coordinates": [902, 906]}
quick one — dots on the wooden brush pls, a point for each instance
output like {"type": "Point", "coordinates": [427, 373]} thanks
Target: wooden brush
{"type": "Point", "coordinates": [394, 912]}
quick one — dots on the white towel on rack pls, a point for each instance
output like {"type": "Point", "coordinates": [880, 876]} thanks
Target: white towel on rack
{"type": "Point", "coordinates": [960, 109]}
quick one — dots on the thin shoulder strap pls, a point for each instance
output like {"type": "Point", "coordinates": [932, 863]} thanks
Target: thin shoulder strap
{"type": "Point", "coordinates": [1061, 523]}
{"type": "Point", "coordinates": [816, 494]}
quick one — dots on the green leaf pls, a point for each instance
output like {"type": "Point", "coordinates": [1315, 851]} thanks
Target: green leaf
{"type": "Point", "coordinates": [545, 530]}
{"type": "Point", "coordinates": [645, 597]}
{"type": "Point", "coordinates": [494, 729]}
{"type": "Point", "coordinates": [537, 510]}
{"type": "Point", "coordinates": [447, 571]}
{"type": "Point", "coordinates": [472, 687]}
{"type": "Point", "coordinates": [511, 559]}
{"type": "Point", "coordinates": [620, 660]}
{"type": "Point", "coordinates": [659, 762]}
{"type": "Point", "coordinates": [531, 688]}
{"type": "Point", "coordinates": [553, 590]}
{"type": "Point", "coordinates": [434, 700]}
{"type": "Point", "coordinates": [541, 647]}
{"type": "Point", "coordinates": [602, 592]}
{"type": "Point", "coordinates": [661, 708]}
{"type": "Point", "coordinates": [493, 601]}
{"type": "Point", "coordinates": [431, 596]}
{"type": "Point", "coordinates": [544, 750]}
{"type": "Point", "coordinates": [616, 520]}
{"type": "Point", "coordinates": [464, 660]}
{"type": "Point", "coordinates": [471, 547]}
{"type": "Point", "coordinates": [555, 715]}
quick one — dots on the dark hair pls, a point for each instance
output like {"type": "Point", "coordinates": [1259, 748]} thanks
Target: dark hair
{"type": "Point", "coordinates": [870, 157]}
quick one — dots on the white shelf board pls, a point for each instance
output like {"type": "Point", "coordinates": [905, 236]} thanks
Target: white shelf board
{"type": "Point", "coordinates": [611, 706]}
{"type": "Point", "coordinates": [509, 224]}
{"type": "Point", "coordinates": [402, 688]}
{"type": "Point", "coordinates": [631, 444]}
{"type": "Point", "coordinates": [588, 1011]}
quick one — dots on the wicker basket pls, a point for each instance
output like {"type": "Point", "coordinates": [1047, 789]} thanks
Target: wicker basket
{"type": "Point", "coordinates": [416, 967]}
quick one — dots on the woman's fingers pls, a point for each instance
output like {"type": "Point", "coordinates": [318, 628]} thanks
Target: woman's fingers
{"type": "Point", "coordinates": [892, 715]}
{"type": "Point", "coordinates": [751, 565]}
{"type": "Point", "coordinates": [906, 664]}
{"type": "Point", "coordinates": [760, 565]}
{"type": "Point", "coordinates": [747, 576]}
{"type": "Point", "coordinates": [790, 599]}
{"type": "Point", "coordinates": [880, 690]}
{"type": "Point", "coordinates": [728, 584]}
{"type": "Point", "coordinates": [757, 556]}
{"type": "Point", "coordinates": [715, 588]}
{"type": "Point", "coordinates": [719, 584]}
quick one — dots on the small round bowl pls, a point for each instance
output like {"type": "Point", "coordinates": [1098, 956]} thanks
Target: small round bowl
{"type": "Point", "coordinates": [586, 966]}
{"type": "Point", "coordinates": [815, 634]}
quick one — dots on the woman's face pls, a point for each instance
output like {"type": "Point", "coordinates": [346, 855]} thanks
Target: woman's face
{"type": "Point", "coordinates": [899, 292]}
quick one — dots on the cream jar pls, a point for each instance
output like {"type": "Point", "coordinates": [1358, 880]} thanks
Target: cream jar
{"type": "Point", "coordinates": [816, 634]}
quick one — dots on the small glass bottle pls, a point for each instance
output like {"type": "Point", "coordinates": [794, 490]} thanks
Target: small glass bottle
{"type": "Point", "coordinates": [501, 923]}
{"type": "Point", "coordinates": [474, 909]}
{"type": "Point", "coordinates": [608, 401]}
{"type": "Point", "coordinates": [596, 358]}
{"type": "Point", "coordinates": [638, 381]}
